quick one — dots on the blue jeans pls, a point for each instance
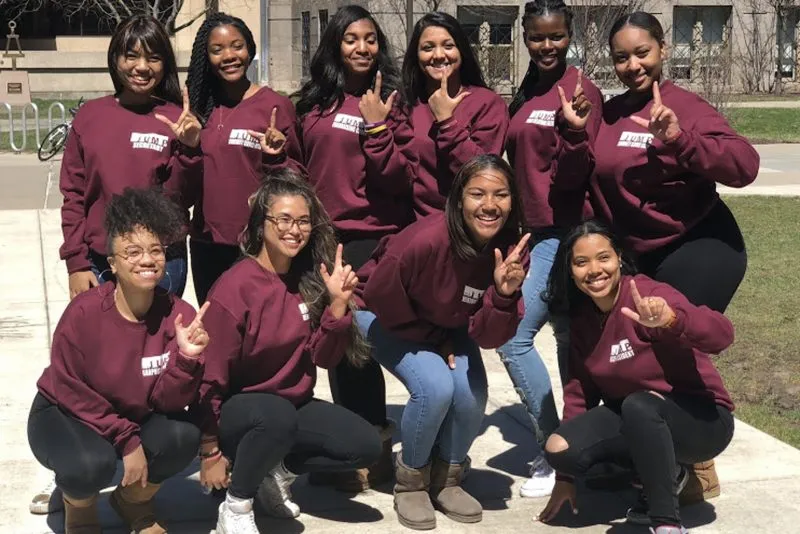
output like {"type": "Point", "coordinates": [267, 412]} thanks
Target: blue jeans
{"type": "Point", "coordinates": [175, 272]}
{"type": "Point", "coordinates": [523, 363]}
{"type": "Point", "coordinates": [446, 405]}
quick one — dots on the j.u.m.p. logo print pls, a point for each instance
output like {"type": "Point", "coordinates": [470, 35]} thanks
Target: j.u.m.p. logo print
{"type": "Point", "coordinates": [635, 139]}
{"type": "Point", "coordinates": [154, 365]}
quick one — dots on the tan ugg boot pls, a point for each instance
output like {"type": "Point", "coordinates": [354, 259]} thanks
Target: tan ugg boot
{"type": "Point", "coordinates": [703, 484]}
{"type": "Point", "coordinates": [80, 515]}
{"type": "Point", "coordinates": [448, 496]}
{"type": "Point", "coordinates": [411, 500]}
{"type": "Point", "coordinates": [134, 504]}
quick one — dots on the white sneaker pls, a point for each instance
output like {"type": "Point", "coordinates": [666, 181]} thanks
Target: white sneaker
{"type": "Point", "coordinates": [542, 480]}
{"type": "Point", "coordinates": [41, 502]}
{"type": "Point", "coordinates": [236, 518]}
{"type": "Point", "coordinates": [275, 493]}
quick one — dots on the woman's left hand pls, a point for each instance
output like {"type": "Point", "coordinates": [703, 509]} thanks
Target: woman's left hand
{"type": "Point", "coordinates": [340, 283]}
{"type": "Point", "coordinates": [652, 312]}
{"type": "Point", "coordinates": [575, 112]}
{"type": "Point", "coordinates": [272, 141]}
{"type": "Point", "coordinates": [193, 339]}
{"type": "Point", "coordinates": [187, 129]}
{"type": "Point", "coordinates": [663, 123]}
{"type": "Point", "coordinates": [508, 273]}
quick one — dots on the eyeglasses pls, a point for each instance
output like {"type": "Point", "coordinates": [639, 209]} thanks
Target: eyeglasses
{"type": "Point", "coordinates": [284, 223]}
{"type": "Point", "coordinates": [136, 254]}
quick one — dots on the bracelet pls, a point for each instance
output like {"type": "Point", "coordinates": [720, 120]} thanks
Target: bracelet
{"type": "Point", "coordinates": [672, 321]}
{"type": "Point", "coordinates": [209, 454]}
{"type": "Point", "coordinates": [377, 129]}
{"type": "Point", "coordinates": [209, 439]}
{"type": "Point", "coordinates": [374, 125]}
{"type": "Point", "coordinates": [216, 456]}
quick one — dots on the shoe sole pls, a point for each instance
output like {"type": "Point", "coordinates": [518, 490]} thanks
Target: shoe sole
{"type": "Point", "coordinates": [415, 525]}
{"type": "Point", "coordinates": [535, 494]}
{"type": "Point", "coordinates": [458, 517]}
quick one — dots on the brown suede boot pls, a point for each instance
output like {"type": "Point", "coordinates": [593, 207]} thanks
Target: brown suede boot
{"type": "Point", "coordinates": [448, 496]}
{"type": "Point", "coordinates": [703, 484]}
{"type": "Point", "coordinates": [134, 504]}
{"type": "Point", "coordinates": [80, 516]}
{"type": "Point", "coordinates": [411, 500]}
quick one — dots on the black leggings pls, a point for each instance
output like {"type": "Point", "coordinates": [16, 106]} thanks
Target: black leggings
{"type": "Point", "coordinates": [650, 434]}
{"type": "Point", "coordinates": [707, 264]}
{"type": "Point", "coordinates": [360, 390]}
{"type": "Point", "coordinates": [258, 430]}
{"type": "Point", "coordinates": [84, 462]}
{"type": "Point", "coordinates": [209, 261]}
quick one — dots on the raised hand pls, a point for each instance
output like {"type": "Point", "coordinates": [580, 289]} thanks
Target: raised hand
{"type": "Point", "coordinates": [663, 123]}
{"type": "Point", "coordinates": [441, 104]}
{"type": "Point", "coordinates": [508, 273]}
{"type": "Point", "coordinates": [576, 112]}
{"type": "Point", "coordinates": [192, 339]}
{"type": "Point", "coordinates": [187, 129]}
{"type": "Point", "coordinates": [372, 108]}
{"type": "Point", "coordinates": [652, 312]}
{"type": "Point", "coordinates": [272, 141]}
{"type": "Point", "coordinates": [340, 283]}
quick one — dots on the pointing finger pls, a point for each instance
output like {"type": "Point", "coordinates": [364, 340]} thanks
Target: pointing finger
{"type": "Point", "coordinates": [390, 100]}
{"type": "Point", "coordinates": [165, 120]}
{"type": "Point", "coordinates": [338, 261]}
{"type": "Point", "coordinates": [629, 313]}
{"type": "Point", "coordinates": [637, 298]}
{"type": "Point", "coordinates": [185, 93]}
{"type": "Point", "coordinates": [579, 85]}
{"type": "Point", "coordinates": [273, 118]}
{"type": "Point", "coordinates": [444, 81]}
{"type": "Point", "coordinates": [203, 309]}
{"type": "Point", "coordinates": [519, 248]}
{"type": "Point", "coordinates": [498, 258]}
{"type": "Point", "coordinates": [179, 321]}
{"type": "Point", "coordinates": [257, 135]}
{"type": "Point", "coordinates": [461, 96]}
{"type": "Point", "coordinates": [656, 94]}
{"type": "Point", "coordinates": [378, 83]}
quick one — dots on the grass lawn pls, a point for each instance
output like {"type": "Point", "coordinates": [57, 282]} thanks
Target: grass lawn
{"type": "Point", "coordinates": [767, 125]}
{"type": "Point", "coordinates": [762, 368]}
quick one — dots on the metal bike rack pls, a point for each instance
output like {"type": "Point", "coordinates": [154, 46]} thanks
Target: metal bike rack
{"type": "Point", "coordinates": [59, 106]}
{"type": "Point", "coordinates": [12, 129]}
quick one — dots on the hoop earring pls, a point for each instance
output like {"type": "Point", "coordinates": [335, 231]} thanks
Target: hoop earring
{"type": "Point", "coordinates": [169, 276]}
{"type": "Point", "coordinates": [100, 276]}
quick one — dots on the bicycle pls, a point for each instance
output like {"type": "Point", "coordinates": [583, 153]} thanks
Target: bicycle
{"type": "Point", "coordinates": [56, 138]}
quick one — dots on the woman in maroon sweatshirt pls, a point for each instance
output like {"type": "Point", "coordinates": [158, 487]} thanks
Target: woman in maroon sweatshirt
{"type": "Point", "coordinates": [455, 116]}
{"type": "Point", "coordinates": [641, 348]}
{"type": "Point", "coordinates": [123, 368]}
{"type": "Point", "coordinates": [247, 130]}
{"type": "Point", "coordinates": [357, 147]}
{"type": "Point", "coordinates": [276, 315]}
{"type": "Point", "coordinates": [659, 154]}
{"type": "Point", "coordinates": [546, 146]}
{"type": "Point", "coordinates": [127, 140]}
{"type": "Point", "coordinates": [436, 292]}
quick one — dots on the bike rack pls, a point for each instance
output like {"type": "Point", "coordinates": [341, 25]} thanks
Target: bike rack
{"type": "Point", "coordinates": [11, 127]}
{"type": "Point", "coordinates": [57, 105]}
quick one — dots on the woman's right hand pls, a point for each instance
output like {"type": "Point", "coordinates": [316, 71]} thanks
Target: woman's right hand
{"type": "Point", "coordinates": [575, 112]}
{"type": "Point", "coordinates": [135, 465]}
{"type": "Point", "coordinates": [214, 473]}
{"type": "Point", "coordinates": [563, 491]}
{"type": "Point", "coordinates": [81, 281]}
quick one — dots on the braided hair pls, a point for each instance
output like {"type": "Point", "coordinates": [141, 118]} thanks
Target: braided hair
{"type": "Point", "coordinates": [537, 8]}
{"type": "Point", "coordinates": [204, 88]}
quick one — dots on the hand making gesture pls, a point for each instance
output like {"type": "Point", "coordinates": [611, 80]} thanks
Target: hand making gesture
{"type": "Point", "coordinates": [272, 141]}
{"type": "Point", "coordinates": [372, 108]}
{"type": "Point", "coordinates": [192, 339]}
{"type": "Point", "coordinates": [652, 312]}
{"type": "Point", "coordinates": [441, 104]}
{"type": "Point", "coordinates": [576, 112]}
{"type": "Point", "coordinates": [340, 283]}
{"type": "Point", "coordinates": [663, 123]}
{"type": "Point", "coordinates": [508, 273]}
{"type": "Point", "coordinates": [187, 129]}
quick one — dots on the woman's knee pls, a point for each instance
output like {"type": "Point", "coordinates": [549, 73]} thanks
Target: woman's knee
{"type": "Point", "coordinates": [87, 473]}
{"type": "Point", "coordinates": [641, 406]}
{"type": "Point", "coordinates": [433, 387]}
{"type": "Point", "coordinates": [366, 447]}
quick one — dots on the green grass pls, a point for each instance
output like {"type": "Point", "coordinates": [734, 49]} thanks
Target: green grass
{"type": "Point", "coordinates": [30, 143]}
{"type": "Point", "coordinates": [43, 105]}
{"type": "Point", "coordinates": [762, 368]}
{"type": "Point", "coordinates": [767, 125]}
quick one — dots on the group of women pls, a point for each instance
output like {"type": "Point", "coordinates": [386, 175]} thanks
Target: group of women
{"type": "Point", "coordinates": [375, 224]}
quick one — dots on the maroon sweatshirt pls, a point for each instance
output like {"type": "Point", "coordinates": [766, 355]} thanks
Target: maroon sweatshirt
{"type": "Point", "coordinates": [553, 162]}
{"type": "Point", "coordinates": [364, 181]}
{"type": "Point", "coordinates": [110, 148]}
{"type": "Point", "coordinates": [655, 192]}
{"type": "Point", "coordinates": [234, 164]}
{"type": "Point", "coordinates": [111, 373]}
{"type": "Point", "coordinates": [419, 289]}
{"type": "Point", "coordinates": [624, 357]}
{"type": "Point", "coordinates": [262, 340]}
{"type": "Point", "coordinates": [478, 126]}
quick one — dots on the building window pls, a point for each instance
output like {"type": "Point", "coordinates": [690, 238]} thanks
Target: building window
{"type": "Point", "coordinates": [700, 38]}
{"type": "Point", "coordinates": [788, 32]}
{"type": "Point", "coordinates": [491, 32]}
{"type": "Point", "coordinates": [305, 43]}
{"type": "Point", "coordinates": [49, 22]}
{"type": "Point", "coordinates": [323, 21]}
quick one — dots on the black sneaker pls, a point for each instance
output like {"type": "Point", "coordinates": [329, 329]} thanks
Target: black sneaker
{"type": "Point", "coordinates": [638, 513]}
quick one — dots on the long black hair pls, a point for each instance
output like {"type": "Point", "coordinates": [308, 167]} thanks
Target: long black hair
{"type": "Point", "coordinates": [639, 19]}
{"type": "Point", "coordinates": [149, 33]}
{"type": "Point", "coordinates": [414, 80]}
{"type": "Point", "coordinates": [204, 86]}
{"type": "Point", "coordinates": [321, 248]}
{"type": "Point", "coordinates": [460, 239]}
{"type": "Point", "coordinates": [325, 87]}
{"type": "Point", "coordinates": [562, 293]}
{"type": "Point", "coordinates": [537, 8]}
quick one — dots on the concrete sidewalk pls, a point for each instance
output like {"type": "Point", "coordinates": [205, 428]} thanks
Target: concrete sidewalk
{"type": "Point", "coordinates": [760, 475]}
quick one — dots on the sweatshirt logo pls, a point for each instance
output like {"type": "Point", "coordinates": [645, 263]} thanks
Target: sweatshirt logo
{"type": "Point", "coordinates": [242, 138]}
{"type": "Point", "coordinates": [542, 118]}
{"type": "Point", "coordinates": [154, 365]}
{"type": "Point", "coordinates": [635, 140]}
{"type": "Point", "coordinates": [149, 141]}
{"type": "Point", "coordinates": [303, 310]}
{"type": "Point", "coordinates": [349, 123]}
{"type": "Point", "coordinates": [472, 295]}
{"type": "Point", "coordinates": [621, 351]}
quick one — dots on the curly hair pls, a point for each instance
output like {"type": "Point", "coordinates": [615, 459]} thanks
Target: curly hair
{"type": "Point", "coordinates": [203, 85]}
{"type": "Point", "coordinates": [320, 249]}
{"type": "Point", "coordinates": [149, 209]}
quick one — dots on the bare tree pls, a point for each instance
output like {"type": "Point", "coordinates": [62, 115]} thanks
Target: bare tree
{"type": "Point", "coordinates": [755, 53]}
